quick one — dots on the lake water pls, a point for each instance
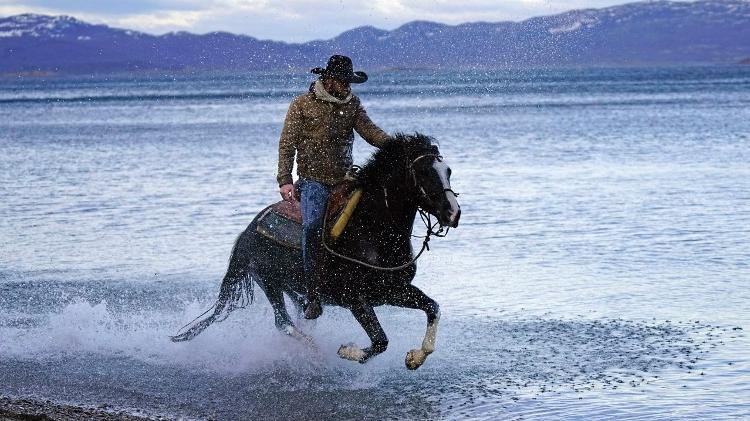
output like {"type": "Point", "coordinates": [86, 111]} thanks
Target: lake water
{"type": "Point", "coordinates": [600, 269]}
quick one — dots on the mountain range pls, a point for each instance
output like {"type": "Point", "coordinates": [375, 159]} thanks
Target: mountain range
{"type": "Point", "coordinates": [642, 33]}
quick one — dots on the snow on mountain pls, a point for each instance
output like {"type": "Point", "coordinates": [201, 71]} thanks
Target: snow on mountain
{"type": "Point", "coordinates": [575, 25]}
{"type": "Point", "coordinates": [36, 26]}
{"type": "Point", "coordinates": [646, 32]}
{"type": "Point", "coordinates": [653, 10]}
{"type": "Point", "coordinates": [43, 26]}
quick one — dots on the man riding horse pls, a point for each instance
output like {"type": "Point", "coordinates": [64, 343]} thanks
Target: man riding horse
{"type": "Point", "coordinates": [371, 262]}
{"type": "Point", "coordinates": [319, 128]}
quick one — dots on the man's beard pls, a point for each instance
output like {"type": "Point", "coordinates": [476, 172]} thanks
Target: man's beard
{"type": "Point", "coordinates": [340, 94]}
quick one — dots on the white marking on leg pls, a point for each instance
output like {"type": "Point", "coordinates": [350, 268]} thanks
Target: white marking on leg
{"type": "Point", "coordinates": [300, 336]}
{"type": "Point", "coordinates": [416, 357]}
{"type": "Point", "coordinates": [428, 344]}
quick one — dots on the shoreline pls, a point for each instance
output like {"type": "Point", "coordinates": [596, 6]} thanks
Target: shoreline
{"type": "Point", "coordinates": [28, 409]}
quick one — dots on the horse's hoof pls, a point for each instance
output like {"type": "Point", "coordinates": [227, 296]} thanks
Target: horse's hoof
{"type": "Point", "coordinates": [351, 353]}
{"type": "Point", "coordinates": [415, 358]}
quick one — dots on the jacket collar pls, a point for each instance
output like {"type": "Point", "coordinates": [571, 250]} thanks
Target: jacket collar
{"type": "Point", "coordinates": [322, 94]}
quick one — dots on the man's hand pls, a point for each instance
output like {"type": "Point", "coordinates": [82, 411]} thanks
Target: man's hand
{"type": "Point", "coordinates": [287, 192]}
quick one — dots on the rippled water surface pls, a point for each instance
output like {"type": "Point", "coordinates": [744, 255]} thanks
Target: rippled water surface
{"type": "Point", "coordinates": [600, 269]}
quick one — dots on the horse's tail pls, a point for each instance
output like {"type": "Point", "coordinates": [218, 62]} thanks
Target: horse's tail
{"type": "Point", "coordinates": [236, 292]}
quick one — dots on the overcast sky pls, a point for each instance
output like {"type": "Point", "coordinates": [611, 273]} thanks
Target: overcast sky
{"type": "Point", "coordinates": [289, 20]}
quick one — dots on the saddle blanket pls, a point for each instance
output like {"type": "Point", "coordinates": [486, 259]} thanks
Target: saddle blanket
{"type": "Point", "coordinates": [281, 229]}
{"type": "Point", "coordinates": [282, 221]}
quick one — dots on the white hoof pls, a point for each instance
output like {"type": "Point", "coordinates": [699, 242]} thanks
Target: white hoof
{"type": "Point", "coordinates": [351, 353]}
{"type": "Point", "coordinates": [415, 358]}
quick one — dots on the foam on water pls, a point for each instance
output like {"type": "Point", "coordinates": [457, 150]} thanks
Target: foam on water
{"type": "Point", "coordinates": [243, 342]}
{"type": "Point", "coordinates": [599, 270]}
{"type": "Point", "coordinates": [479, 361]}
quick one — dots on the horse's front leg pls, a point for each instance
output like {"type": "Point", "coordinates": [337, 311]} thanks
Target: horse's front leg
{"type": "Point", "coordinates": [366, 317]}
{"type": "Point", "coordinates": [413, 297]}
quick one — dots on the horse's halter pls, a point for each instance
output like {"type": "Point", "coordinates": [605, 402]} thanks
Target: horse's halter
{"type": "Point", "coordinates": [442, 231]}
{"type": "Point", "coordinates": [410, 170]}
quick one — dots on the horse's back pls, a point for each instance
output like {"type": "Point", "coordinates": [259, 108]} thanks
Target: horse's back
{"type": "Point", "coordinates": [270, 245]}
{"type": "Point", "coordinates": [282, 221]}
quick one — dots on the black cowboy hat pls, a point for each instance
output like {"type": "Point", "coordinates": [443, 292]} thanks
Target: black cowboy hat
{"type": "Point", "coordinates": [340, 67]}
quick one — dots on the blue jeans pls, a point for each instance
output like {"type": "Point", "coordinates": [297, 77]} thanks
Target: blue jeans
{"type": "Point", "coordinates": [313, 199]}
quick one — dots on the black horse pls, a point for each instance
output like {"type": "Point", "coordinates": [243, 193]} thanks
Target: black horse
{"type": "Point", "coordinates": [372, 262]}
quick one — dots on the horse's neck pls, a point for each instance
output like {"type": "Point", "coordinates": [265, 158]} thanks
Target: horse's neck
{"type": "Point", "coordinates": [390, 210]}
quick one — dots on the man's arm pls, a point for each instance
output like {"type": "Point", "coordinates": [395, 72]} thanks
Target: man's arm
{"type": "Point", "coordinates": [288, 143]}
{"type": "Point", "coordinates": [369, 131]}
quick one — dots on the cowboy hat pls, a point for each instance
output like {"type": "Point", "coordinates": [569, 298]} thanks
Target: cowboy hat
{"type": "Point", "coordinates": [340, 67]}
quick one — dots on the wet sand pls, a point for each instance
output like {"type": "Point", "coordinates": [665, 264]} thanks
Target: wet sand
{"type": "Point", "coordinates": [33, 410]}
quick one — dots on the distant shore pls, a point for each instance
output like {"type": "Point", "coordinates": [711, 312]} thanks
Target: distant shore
{"type": "Point", "coordinates": [28, 410]}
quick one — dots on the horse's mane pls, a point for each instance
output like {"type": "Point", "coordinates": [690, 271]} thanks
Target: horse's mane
{"type": "Point", "coordinates": [394, 153]}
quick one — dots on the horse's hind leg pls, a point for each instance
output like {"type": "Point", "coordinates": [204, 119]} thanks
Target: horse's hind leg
{"type": "Point", "coordinates": [366, 317]}
{"type": "Point", "coordinates": [412, 297]}
{"type": "Point", "coordinates": [281, 318]}
{"type": "Point", "coordinates": [298, 301]}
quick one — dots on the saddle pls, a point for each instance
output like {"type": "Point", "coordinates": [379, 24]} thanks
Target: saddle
{"type": "Point", "coordinates": [282, 221]}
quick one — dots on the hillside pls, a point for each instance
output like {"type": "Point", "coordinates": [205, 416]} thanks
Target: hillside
{"type": "Point", "coordinates": [644, 33]}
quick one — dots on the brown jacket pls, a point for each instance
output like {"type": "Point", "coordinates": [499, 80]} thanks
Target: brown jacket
{"type": "Point", "coordinates": [320, 129]}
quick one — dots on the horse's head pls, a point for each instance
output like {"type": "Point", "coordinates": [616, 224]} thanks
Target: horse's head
{"type": "Point", "coordinates": [413, 169]}
{"type": "Point", "coordinates": [431, 175]}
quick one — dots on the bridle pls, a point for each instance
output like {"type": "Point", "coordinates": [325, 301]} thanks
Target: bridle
{"type": "Point", "coordinates": [425, 216]}
{"type": "Point", "coordinates": [410, 170]}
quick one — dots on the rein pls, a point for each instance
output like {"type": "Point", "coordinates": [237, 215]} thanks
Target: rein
{"type": "Point", "coordinates": [441, 232]}
{"type": "Point", "coordinates": [424, 215]}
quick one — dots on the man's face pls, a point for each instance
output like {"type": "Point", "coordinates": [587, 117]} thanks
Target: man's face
{"type": "Point", "coordinates": [336, 87]}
